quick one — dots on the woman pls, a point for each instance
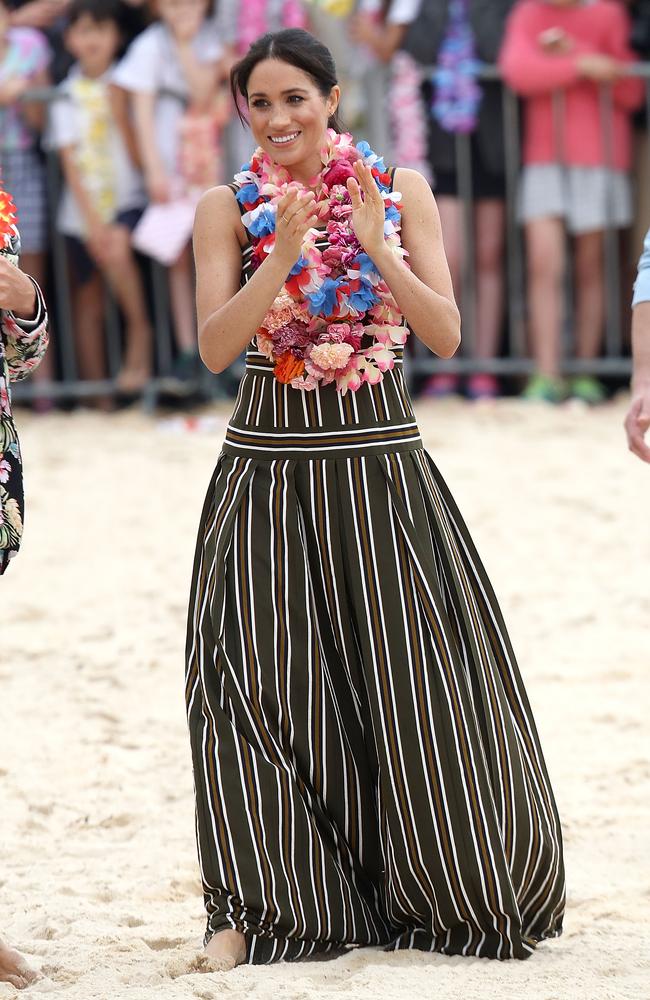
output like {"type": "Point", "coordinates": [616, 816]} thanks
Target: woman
{"type": "Point", "coordinates": [23, 341]}
{"type": "Point", "coordinates": [366, 767]}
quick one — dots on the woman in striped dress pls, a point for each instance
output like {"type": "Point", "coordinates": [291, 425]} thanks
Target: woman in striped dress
{"type": "Point", "coordinates": [366, 765]}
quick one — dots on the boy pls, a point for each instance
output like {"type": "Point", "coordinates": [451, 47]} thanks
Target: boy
{"type": "Point", "coordinates": [103, 195]}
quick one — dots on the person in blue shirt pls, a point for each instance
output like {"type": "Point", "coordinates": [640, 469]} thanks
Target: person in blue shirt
{"type": "Point", "coordinates": [637, 421]}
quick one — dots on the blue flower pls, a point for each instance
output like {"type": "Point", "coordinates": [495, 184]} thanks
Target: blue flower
{"type": "Point", "coordinates": [299, 266]}
{"type": "Point", "coordinates": [364, 263]}
{"type": "Point", "coordinates": [263, 222]}
{"type": "Point", "coordinates": [364, 298]}
{"type": "Point", "coordinates": [324, 301]}
{"type": "Point", "coordinates": [392, 213]}
{"type": "Point", "coordinates": [247, 194]}
{"type": "Point", "coordinates": [364, 148]}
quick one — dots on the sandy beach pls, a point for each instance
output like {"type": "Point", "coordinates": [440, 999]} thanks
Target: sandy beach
{"type": "Point", "coordinates": [99, 881]}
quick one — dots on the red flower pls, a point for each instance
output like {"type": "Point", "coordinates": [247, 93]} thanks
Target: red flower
{"type": "Point", "coordinates": [338, 173]}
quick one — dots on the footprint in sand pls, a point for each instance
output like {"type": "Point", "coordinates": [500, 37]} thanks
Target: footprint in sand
{"type": "Point", "coordinates": [163, 943]}
{"type": "Point", "coordinates": [191, 963]}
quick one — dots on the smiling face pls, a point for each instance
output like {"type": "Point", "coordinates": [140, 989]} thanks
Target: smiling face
{"type": "Point", "coordinates": [288, 115]}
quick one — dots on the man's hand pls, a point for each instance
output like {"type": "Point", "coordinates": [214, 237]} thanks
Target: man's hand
{"type": "Point", "coordinates": [637, 422]}
{"type": "Point", "coordinates": [17, 291]}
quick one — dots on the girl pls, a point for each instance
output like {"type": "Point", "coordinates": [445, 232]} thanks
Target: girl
{"type": "Point", "coordinates": [367, 769]}
{"type": "Point", "coordinates": [559, 54]}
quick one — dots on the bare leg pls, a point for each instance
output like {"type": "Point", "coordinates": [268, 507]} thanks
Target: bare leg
{"type": "Point", "coordinates": [123, 275]}
{"type": "Point", "coordinates": [228, 946]}
{"type": "Point", "coordinates": [181, 290]}
{"type": "Point", "coordinates": [545, 258]}
{"type": "Point", "coordinates": [89, 332]}
{"type": "Point", "coordinates": [490, 232]}
{"type": "Point", "coordinates": [14, 969]}
{"type": "Point", "coordinates": [590, 303]}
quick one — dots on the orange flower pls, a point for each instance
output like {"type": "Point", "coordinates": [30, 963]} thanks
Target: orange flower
{"type": "Point", "coordinates": [288, 367]}
{"type": "Point", "coordinates": [8, 218]}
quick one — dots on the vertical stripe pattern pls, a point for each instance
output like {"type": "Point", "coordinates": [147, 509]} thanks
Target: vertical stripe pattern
{"type": "Point", "coordinates": [367, 768]}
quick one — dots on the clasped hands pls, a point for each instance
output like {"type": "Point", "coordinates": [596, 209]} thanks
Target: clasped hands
{"type": "Point", "coordinates": [297, 214]}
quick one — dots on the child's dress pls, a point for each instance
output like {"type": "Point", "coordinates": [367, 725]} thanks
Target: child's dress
{"type": "Point", "coordinates": [366, 764]}
{"type": "Point", "coordinates": [22, 346]}
{"type": "Point", "coordinates": [21, 167]}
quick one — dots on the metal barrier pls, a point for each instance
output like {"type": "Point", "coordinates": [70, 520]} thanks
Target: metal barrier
{"type": "Point", "coordinates": [514, 360]}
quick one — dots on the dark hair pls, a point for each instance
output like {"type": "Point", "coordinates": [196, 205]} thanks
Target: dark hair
{"type": "Point", "coordinates": [293, 46]}
{"type": "Point", "coordinates": [98, 10]}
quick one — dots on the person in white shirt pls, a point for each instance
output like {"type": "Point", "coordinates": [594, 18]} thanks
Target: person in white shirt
{"type": "Point", "coordinates": [103, 196]}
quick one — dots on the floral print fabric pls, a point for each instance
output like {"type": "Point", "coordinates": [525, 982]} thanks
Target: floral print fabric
{"type": "Point", "coordinates": [22, 346]}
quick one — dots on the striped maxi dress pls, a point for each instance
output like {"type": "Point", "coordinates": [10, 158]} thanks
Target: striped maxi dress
{"type": "Point", "coordinates": [366, 764]}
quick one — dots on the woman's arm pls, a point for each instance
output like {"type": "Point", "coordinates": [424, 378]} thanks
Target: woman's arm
{"type": "Point", "coordinates": [156, 178]}
{"type": "Point", "coordinates": [23, 320]}
{"type": "Point", "coordinates": [201, 77]}
{"type": "Point", "coordinates": [424, 293]}
{"type": "Point", "coordinates": [229, 316]}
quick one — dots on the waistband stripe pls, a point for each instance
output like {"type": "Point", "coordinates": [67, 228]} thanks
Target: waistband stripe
{"type": "Point", "coordinates": [322, 440]}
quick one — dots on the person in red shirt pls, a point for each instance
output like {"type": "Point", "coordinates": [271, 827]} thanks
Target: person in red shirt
{"type": "Point", "coordinates": [568, 59]}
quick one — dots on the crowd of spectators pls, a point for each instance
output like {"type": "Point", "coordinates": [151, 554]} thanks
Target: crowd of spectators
{"type": "Point", "coordinates": [141, 121]}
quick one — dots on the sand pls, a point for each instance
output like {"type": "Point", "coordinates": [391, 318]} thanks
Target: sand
{"type": "Point", "coordinates": [98, 884]}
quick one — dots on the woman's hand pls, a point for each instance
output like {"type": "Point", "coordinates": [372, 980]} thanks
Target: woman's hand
{"type": "Point", "coordinates": [17, 291]}
{"type": "Point", "coordinates": [368, 213]}
{"type": "Point", "coordinates": [296, 215]}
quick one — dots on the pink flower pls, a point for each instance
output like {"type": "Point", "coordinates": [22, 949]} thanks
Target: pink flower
{"type": "Point", "coordinates": [264, 344]}
{"type": "Point", "coordinates": [330, 357]}
{"type": "Point", "coordinates": [383, 357]}
{"type": "Point", "coordinates": [341, 210]}
{"type": "Point", "coordinates": [350, 378]}
{"type": "Point", "coordinates": [340, 236]}
{"type": "Point", "coordinates": [5, 469]}
{"type": "Point", "coordinates": [338, 173]}
{"type": "Point", "coordinates": [4, 398]}
{"type": "Point", "coordinates": [344, 333]}
{"type": "Point", "coordinates": [306, 382]}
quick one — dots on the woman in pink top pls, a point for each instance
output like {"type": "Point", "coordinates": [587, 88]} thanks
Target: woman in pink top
{"type": "Point", "coordinates": [561, 55]}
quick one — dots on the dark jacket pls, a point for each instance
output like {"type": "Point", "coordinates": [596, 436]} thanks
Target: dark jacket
{"type": "Point", "coordinates": [423, 40]}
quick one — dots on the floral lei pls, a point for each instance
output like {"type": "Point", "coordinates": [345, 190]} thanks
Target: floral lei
{"type": "Point", "coordinates": [332, 298]}
{"type": "Point", "coordinates": [8, 219]}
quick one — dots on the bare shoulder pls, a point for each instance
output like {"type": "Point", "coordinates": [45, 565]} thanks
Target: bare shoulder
{"type": "Point", "coordinates": [420, 218]}
{"type": "Point", "coordinates": [217, 211]}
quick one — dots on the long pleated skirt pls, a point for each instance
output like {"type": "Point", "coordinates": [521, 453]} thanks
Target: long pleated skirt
{"type": "Point", "coordinates": [366, 764]}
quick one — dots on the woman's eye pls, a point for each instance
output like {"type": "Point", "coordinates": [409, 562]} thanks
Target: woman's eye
{"type": "Point", "coordinates": [296, 98]}
{"type": "Point", "coordinates": [259, 103]}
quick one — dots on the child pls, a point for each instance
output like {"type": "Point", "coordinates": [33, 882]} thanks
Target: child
{"type": "Point", "coordinates": [23, 341]}
{"type": "Point", "coordinates": [24, 60]}
{"type": "Point", "coordinates": [558, 54]}
{"type": "Point", "coordinates": [172, 64]}
{"type": "Point", "coordinates": [103, 196]}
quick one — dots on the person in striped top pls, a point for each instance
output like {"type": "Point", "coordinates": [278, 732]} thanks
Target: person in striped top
{"type": "Point", "coordinates": [366, 766]}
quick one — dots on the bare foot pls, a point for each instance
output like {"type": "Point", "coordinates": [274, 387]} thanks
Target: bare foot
{"type": "Point", "coordinates": [133, 379]}
{"type": "Point", "coordinates": [227, 947]}
{"type": "Point", "coordinates": [14, 969]}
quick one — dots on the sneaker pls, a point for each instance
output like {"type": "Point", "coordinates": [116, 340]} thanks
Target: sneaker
{"type": "Point", "coordinates": [544, 389]}
{"type": "Point", "coordinates": [483, 386]}
{"type": "Point", "coordinates": [588, 389]}
{"type": "Point", "coordinates": [440, 385]}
